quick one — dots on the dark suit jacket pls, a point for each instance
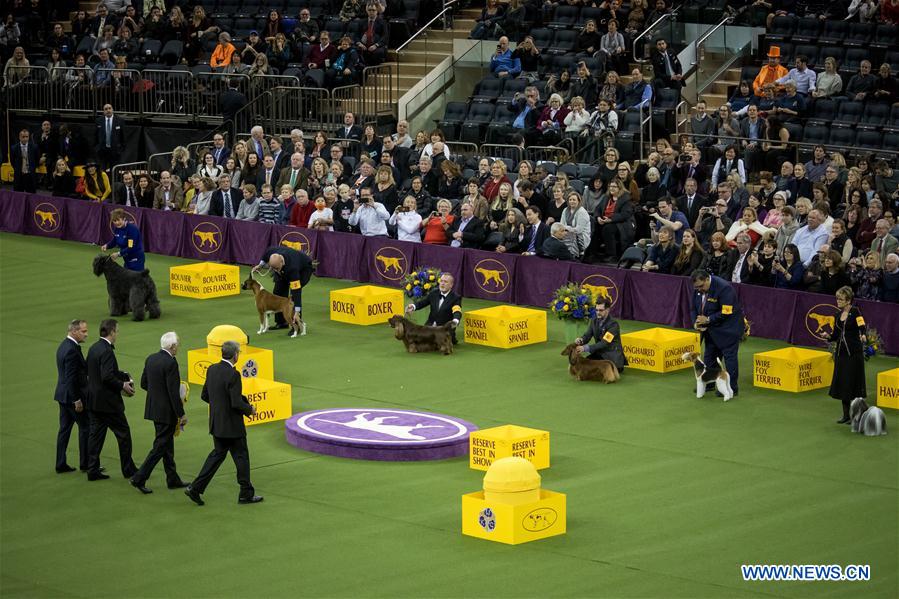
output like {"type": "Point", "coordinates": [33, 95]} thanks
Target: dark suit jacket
{"type": "Point", "coordinates": [120, 196]}
{"type": "Point", "coordinates": [354, 133]}
{"type": "Point", "coordinates": [622, 216]}
{"type": "Point", "coordinates": [227, 406]}
{"type": "Point", "coordinates": [473, 235]}
{"type": "Point", "coordinates": [71, 369]}
{"type": "Point", "coordinates": [658, 66]}
{"type": "Point", "coordinates": [15, 156]}
{"type": "Point", "coordinates": [260, 180]}
{"type": "Point", "coordinates": [542, 233]}
{"type": "Point", "coordinates": [556, 249]}
{"type": "Point", "coordinates": [693, 213]}
{"type": "Point", "coordinates": [449, 310]}
{"type": "Point", "coordinates": [230, 101]}
{"type": "Point", "coordinates": [217, 204]}
{"type": "Point", "coordinates": [724, 312]}
{"type": "Point", "coordinates": [223, 155]}
{"type": "Point", "coordinates": [607, 341]}
{"type": "Point", "coordinates": [105, 380]}
{"type": "Point", "coordinates": [162, 382]}
{"type": "Point", "coordinates": [118, 133]}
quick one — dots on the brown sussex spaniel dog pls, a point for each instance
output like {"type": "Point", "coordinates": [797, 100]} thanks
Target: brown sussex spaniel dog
{"type": "Point", "coordinates": [418, 338]}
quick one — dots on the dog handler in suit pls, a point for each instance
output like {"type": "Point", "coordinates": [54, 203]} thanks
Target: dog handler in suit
{"type": "Point", "coordinates": [445, 304]}
{"type": "Point", "coordinates": [227, 407]}
{"type": "Point", "coordinates": [718, 317]}
{"type": "Point", "coordinates": [71, 394]}
{"type": "Point", "coordinates": [607, 336]}
{"type": "Point", "coordinates": [291, 270]}
{"type": "Point", "coordinates": [162, 382]}
{"type": "Point", "coordinates": [126, 237]}
{"type": "Point", "coordinates": [107, 410]}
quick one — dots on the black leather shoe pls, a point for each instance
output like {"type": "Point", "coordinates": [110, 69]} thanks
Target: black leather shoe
{"type": "Point", "coordinates": [194, 496]}
{"type": "Point", "coordinates": [102, 469]}
{"type": "Point", "coordinates": [65, 469]}
{"type": "Point", "coordinates": [140, 487]}
{"type": "Point", "coordinates": [98, 476]}
{"type": "Point", "coordinates": [843, 420]}
{"type": "Point", "coordinates": [178, 485]}
{"type": "Point", "coordinates": [253, 499]}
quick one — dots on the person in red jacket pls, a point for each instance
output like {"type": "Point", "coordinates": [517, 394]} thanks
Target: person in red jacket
{"type": "Point", "coordinates": [497, 178]}
{"type": "Point", "coordinates": [299, 216]}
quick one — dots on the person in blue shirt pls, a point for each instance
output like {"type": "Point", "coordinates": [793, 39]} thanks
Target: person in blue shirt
{"type": "Point", "coordinates": [637, 93]}
{"type": "Point", "coordinates": [503, 64]}
{"type": "Point", "coordinates": [667, 216]}
{"type": "Point", "coordinates": [126, 237]}
{"type": "Point", "coordinates": [718, 317]}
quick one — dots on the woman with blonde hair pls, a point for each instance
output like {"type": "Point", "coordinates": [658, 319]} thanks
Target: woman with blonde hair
{"type": "Point", "coordinates": [239, 153]}
{"type": "Point", "coordinates": [627, 182]}
{"type": "Point", "coordinates": [829, 83]}
{"type": "Point", "coordinates": [189, 202]}
{"type": "Point", "coordinates": [407, 220]}
{"type": "Point", "coordinates": [318, 175]}
{"type": "Point", "coordinates": [803, 207]}
{"type": "Point", "coordinates": [501, 204]}
{"type": "Point", "coordinates": [385, 189]}
{"type": "Point", "coordinates": [577, 223]}
{"type": "Point", "coordinates": [437, 223]}
{"type": "Point", "coordinates": [182, 165]}
{"type": "Point", "coordinates": [738, 190]}
{"type": "Point", "coordinates": [497, 178]}
{"type": "Point", "coordinates": [260, 66]}
{"type": "Point", "coordinates": [867, 276]}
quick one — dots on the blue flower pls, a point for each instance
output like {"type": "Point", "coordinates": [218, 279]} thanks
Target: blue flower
{"type": "Point", "coordinates": [577, 313]}
{"type": "Point", "coordinates": [559, 305]}
{"type": "Point", "coordinates": [582, 299]}
{"type": "Point", "coordinates": [592, 313]}
{"type": "Point", "coordinates": [417, 292]}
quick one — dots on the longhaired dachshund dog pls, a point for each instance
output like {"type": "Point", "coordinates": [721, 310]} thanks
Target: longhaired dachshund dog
{"type": "Point", "coordinates": [418, 338]}
{"type": "Point", "coordinates": [709, 374]}
{"type": "Point", "coordinates": [268, 303]}
{"type": "Point", "coordinates": [585, 369]}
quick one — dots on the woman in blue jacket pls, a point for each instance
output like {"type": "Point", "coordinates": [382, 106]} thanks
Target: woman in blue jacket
{"type": "Point", "coordinates": [126, 237]}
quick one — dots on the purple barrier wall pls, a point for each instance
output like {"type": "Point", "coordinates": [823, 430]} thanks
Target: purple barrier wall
{"type": "Point", "coordinates": [795, 317]}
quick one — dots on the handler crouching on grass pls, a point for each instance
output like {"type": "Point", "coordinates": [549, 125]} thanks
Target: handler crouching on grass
{"type": "Point", "coordinates": [291, 271]}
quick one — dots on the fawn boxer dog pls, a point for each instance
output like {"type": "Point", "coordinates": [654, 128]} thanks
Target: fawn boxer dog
{"type": "Point", "coordinates": [268, 303]}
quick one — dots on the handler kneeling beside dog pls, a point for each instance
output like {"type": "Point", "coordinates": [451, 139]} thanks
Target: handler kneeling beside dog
{"type": "Point", "coordinates": [291, 271]}
{"type": "Point", "coordinates": [445, 304]}
{"type": "Point", "coordinates": [606, 334]}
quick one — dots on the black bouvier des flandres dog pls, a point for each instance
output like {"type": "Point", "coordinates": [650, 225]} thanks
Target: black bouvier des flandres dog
{"type": "Point", "coordinates": [129, 291]}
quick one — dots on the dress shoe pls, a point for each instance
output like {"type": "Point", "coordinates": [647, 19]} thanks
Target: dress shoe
{"type": "Point", "coordinates": [98, 476]}
{"type": "Point", "coordinates": [843, 420]}
{"type": "Point", "coordinates": [178, 485]}
{"type": "Point", "coordinates": [253, 499]}
{"type": "Point", "coordinates": [194, 496]}
{"type": "Point", "coordinates": [65, 469]}
{"type": "Point", "coordinates": [102, 469]}
{"type": "Point", "coordinates": [140, 487]}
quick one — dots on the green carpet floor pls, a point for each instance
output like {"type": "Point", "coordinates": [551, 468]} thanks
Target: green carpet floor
{"type": "Point", "coordinates": [667, 495]}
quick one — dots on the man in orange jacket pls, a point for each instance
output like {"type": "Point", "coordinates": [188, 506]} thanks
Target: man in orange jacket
{"type": "Point", "coordinates": [770, 73]}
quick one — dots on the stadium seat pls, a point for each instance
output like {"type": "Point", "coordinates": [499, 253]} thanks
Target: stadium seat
{"type": "Point", "coordinates": [564, 17]}
{"type": "Point", "coordinates": [811, 52]}
{"type": "Point", "coordinates": [488, 89]}
{"type": "Point", "coordinates": [859, 34]}
{"type": "Point", "coordinates": [815, 133]}
{"type": "Point", "coordinates": [782, 28]}
{"type": "Point", "coordinates": [870, 140]}
{"type": "Point", "coordinates": [510, 88]}
{"type": "Point", "coordinates": [842, 136]}
{"type": "Point", "coordinates": [631, 121]}
{"type": "Point", "coordinates": [317, 8]}
{"type": "Point", "coordinates": [853, 59]}
{"type": "Point", "coordinates": [875, 116]}
{"type": "Point", "coordinates": [849, 113]}
{"type": "Point", "coordinates": [892, 58]}
{"type": "Point", "coordinates": [578, 186]}
{"type": "Point", "coordinates": [890, 142]}
{"type": "Point", "coordinates": [885, 36]}
{"type": "Point", "coordinates": [837, 52]}
{"type": "Point", "coordinates": [149, 50]}
{"type": "Point", "coordinates": [834, 32]}
{"type": "Point", "coordinates": [893, 123]}
{"type": "Point", "coordinates": [171, 52]}
{"type": "Point", "coordinates": [479, 114]}
{"type": "Point", "coordinates": [807, 30]}
{"type": "Point", "coordinates": [587, 171]}
{"type": "Point", "coordinates": [453, 116]}
{"type": "Point", "coordinates": [824, 110]}
{"type": "Point", "coordinates": [569, 168]}
{"type": "Point", "coordinates": [666, 99]}
{"type": "Point", "coordinates": [591, 12]}
{"type": "Point", "coordinates": [548, 165]}
{"type": "Point", "coordinates": [543, 38]}
{"type": "Point", "coordinates": [563, 41]}
{"type": "Point", "coordinates": [795, 130]}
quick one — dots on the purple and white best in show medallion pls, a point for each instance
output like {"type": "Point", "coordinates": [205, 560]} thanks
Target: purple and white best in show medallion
{"type": "Point", "coordinates": [380, 434]}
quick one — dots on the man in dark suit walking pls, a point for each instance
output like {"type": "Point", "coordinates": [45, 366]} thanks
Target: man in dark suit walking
{"type": "Point", "coordinates": [71, 394]}
{"type": "Point", "coordinates": [24, 157]}
{"type": "Point", "coordinates": [445, 304]}
{"type": "Point", "coordinates": [110, 137]}
{"type": "Point", "coordinates": [606, 336]}
{"type": "Point", "coordinates": [227, 407]}
{"type": "Point", "coordinates": [106, 384]}
{"type": "Point", "coordinates": [718, 317]}
{"type": "Point", "coordinates": [165, 408]}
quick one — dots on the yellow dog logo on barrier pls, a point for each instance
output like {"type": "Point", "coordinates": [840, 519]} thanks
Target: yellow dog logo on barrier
{"type": "Point", "coordinates": [391, 263]}
{"type": "Point", "coordinates": [820, 320]}
{"type": "Point", "coordinates": [46, 217]}
{"type": "Point", "coordinates": [601, 287]}
{"type": "Point", "coordinates": [296, 241]}
{"type": "Point", "coordinates": [206, 237]}
{"type": "Point", "coordinates": [494, 277]}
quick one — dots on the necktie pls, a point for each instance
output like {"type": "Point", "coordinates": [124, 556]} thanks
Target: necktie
{"type": "Point", "coordinates": [533, 243]}
{"type": "Point", "coordinates": [689, 203]}
{"type": "Point", "coordinates": [370, 34]}
{"type": "Point", "coordinates": [268, 176]}
{"type": "Point", "coordinates": [217, 154]}
{"type": "Point", "coordinates": [108, 132]}
{"type": "Point", "coordinates": [25, 166]}
{"type": "Point", "coordinates": [293, 178]}
{"type": "Point", "coordinates": [128, 197]}
{"type": "Point", "coordinates": [229, 207]}
{"type": "Point", "coordinates": [259, 150]}
{"type": "Point", "coordinates": [668, 69]}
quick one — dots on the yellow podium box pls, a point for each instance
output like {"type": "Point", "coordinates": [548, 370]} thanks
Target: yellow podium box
{"type": "Point", "coordinates": [491, 444]}
{"type": "Point", "coordinates": [252, 361]}
{"type": "Point", "coordinates": [505, 327]}
{"type": "Point", "coordinates": [658, 349]}
{"type": "Point", "coordinates": [366, 304]}
{"type": "Point", "coordinates": [514, 524]}
{"type": "Point", "coordinates": [792, 369]}
{"type": "Point", "coordinates": [272, 400]}
{"type": "Point", "coordinates": [888, 389]}
{"type": "Point", "coordinates": [204, 280]}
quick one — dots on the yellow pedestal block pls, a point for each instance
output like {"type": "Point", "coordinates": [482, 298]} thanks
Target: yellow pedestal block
{"type": "Point", "coordinates": [505, 327]}
{"type": "Point", "coordinates": [366, 304]}
{"type": "Point", "coordinates": [658, 349]}
{"type": "Point", "coordinates": [888, 389]}
{"type": "Point", "coordinates": [252, 361]}
{"type": "Point", "coordinates": [491, 444]}
{"type": "Point", "coordinates": [272, 400]}
{"type": "Point", "coordinates": [792, 369]}
{"type": "Point", "coordinates": [204, 280]}
{"type": "Point", "coordinates": [513, 524]}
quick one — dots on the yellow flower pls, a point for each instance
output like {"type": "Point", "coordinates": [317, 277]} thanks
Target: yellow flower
{"type": "Point", "coordinates": [565, 308]}
{"type": "Point", "coordinates": [428, 285]}
{"type": "Point", "coordinates": [416, 282]}
{"type": "Point", "coordinates": [431, 278]}
{"type": "Point", "coordinates": [567, 300]}
{"type": "Point", "coordinates": [408, 287]}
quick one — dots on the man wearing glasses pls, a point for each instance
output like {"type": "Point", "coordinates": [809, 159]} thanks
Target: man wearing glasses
{"type": "Point", "coordinates": [606, 337]}
{"type": "Point", "coordinates": [718, 317]}
{"type": "Point", "coordinates": [713, 219]}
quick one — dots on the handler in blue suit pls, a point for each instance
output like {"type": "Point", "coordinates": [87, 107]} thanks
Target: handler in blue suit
{"type": "Point", "coordinates": [126, 237]}
{"type": "Point", "coordinates": [719, 318]}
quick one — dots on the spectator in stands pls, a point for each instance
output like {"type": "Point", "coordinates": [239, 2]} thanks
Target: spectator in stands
{"type": "Point", "coordinates": [803, 77]}
{"type": "Point", "coordinates": [155, 27]}
{"type": "Point", "coordinates": [886, 88]}
{"type": "Point", "coordinates": [371, 217]}
{"type": "Point", "coordinates": [663, 253]}
{"type": "Point", "coordinates": [345, 65]}
{"type": "Point", "coordinates": [295, 209]}
{"type": "Point", "coordinates": [182, 166]}
{"type": "Point", "coordinates": [556, 203]}
{"type": "Point", "coordinates": [167, 195]}
{"type": "Point", "coordinates": [612, 48]}
{"type": "Point", "coordinates": [239, 153]}
{"type": "Point", "coordinates": [863, 84]}
{"type": "Point", "coordinates": [468, 231]}
{"type": "Point", "coordinates": [350, 129]}
{"type": "Point", "coordinates": [125, 45]}
{"type": "Point", "coordinates": [839, 240]}
{"type": "Point", "coordinates": [226, 199]}
{"type": "Point", "coordinates": [789, 270]}
{"type": "Point", "coordinates": [62, 184]}
{"type": "Point", "coordinates": [614, 217]}
{"type": "Point", "coordinates": [761, 264]}
{"type": "Point", "coordinates": [193, 186]}
{"type": "Point", "coordinates": [721, 257]}
{"type": "Point", "coordinates": [295, 175]}
{"type": "Point", "coordinates": [637, 93]}
{"type": "Point", "coordinates": [437, 137]}
{"type": "Point", "coordinates": [727, 164]}
{"type": "Point", "coordinates": [278, 53]}
{"type": "Point", "coordinates": [58, 40]}
{"type": "Point", "coordinates": [435, 224]}
{"type": "Point", "coordinates": [703, 127]}
{"type": "Point", "coordinates": [774, 217]}
{"type": "Point", "coordinates": [667, 216]}
{"type": "Point", "coordinates": [690, 256]}
{"type": "Point", "coordinates": [811, 236]}
{"type": "Point", "coordinates": [774, 146]}
{"type": "Point", "coordinates": [279, 156]}
{"type": "Point", "coordinates": [790, 106]}
{"type": "Point", "coordinates": [667, 66]}
{"type": "Point", "coordinates": [816, 167]}
{"type": "Point", "coordinates": [177, 26]}
{"type": "Point", "coordinates": [889, 11]}
{"type": "Point", "coordinates": [740, 272]}
{"type": "Point", "coordinates": [10, 35]}
{"type": "Point", "coordinates": [103, 68]}
{"type": "Point", "coordinates": [502, 63]}
{"type": "Point", "coordinates": [451, 182]}
{"type": "Point", "coordinates": [80, 26]}
{"type": "Point", "coordinates": [835, 189]}
{"type": "Point", "coordinates": [497, 178]}
{"type": "Point", "coordinates": [385, 189]}
{"type": "Point", "coordinates": [512, 231]}
{"type": "Point", "coordinates": [551, 121]}
{"type": "Point", "coordinates": [57, 67]}
{"type": "Point", "coordinates": [407, 221]}
{"type": "Point", "coordinates": [269, 207]}
{"type": "Point", "coordinates": [691, 167]}
{"type": "Point", "coordinates": [867, 276]}
{"type": "Point", "coordinates": [372, 45]}
{"type": "Point", "coordinates": [584, 85]}
{"type": "Point", "coordinates": [101, 19]}
{"type": "Point", "coordinates": [402, 137]}
{"type": "Point", "coordinates": [833, 274]}
{"type": "Point", "coordinates": [829, 83]}
{"type": "Point", "coordinates": [274, 25]}
{"type": "Point", "coordinates": [106, 41]}
{"type": "Point", "coordinates": [305, 33]}
{"type": "Point", "coordinates": [479, 205]}
{"type": "Point", "coordinates": [200, 201]}
{"type": "Point", "coordinates": [660, 8]}
{"type": "Point", "coordinates": [267, 173]}
{"type": "Point", "coordinates": [628, 183]}
{"type": "Point", "coordinates": [145, 191]}
{"type": "Point", "coordinates": [250, 170]}
{"type": "Point", "coordinates": [323, 217]}
{"type": "Point", "coordinates": [255, 46]}
{"type": "Point", "coordinates": [750, 226]}
{"type": "Point", "coordinates": [554, 246]}
{"type": "Point", "coordinates": [741, 97]}
{"type": "Point", "coordinates": [535, 232]}
{"type": "Point", "coordinates": [691, 202]}
{"type": "Point", "coordinates": [803, 207]}
{"type": "Point", "coordinates": [770, 72]}
{"type": "Point", "coordinates": [889, 289]}
{"type": "Point", "coordinates": [588, 39]}
{"type": "Point", "coordinates": [577, 224]}
{"type": "Point", "coordinates": [883, 243]}
{"type": "Point", "coordinates": [611, 89]}
{"type": "Point", "coordinates": [96, 183]}
{"type": "Point", "coordinates": [886, 178]}
{"type": "Point", "coordinates": [221, 55]}
{"type": "Point", "coordinates": [496, 214]}
{"type": "Point", "coordinates": [249, 206]}
{"type": "Point", "coordinates": [489, 23]}
{"type": "Point", "coordinates": [109, 137]}
{"type": "Point", "coordinates": [351, 10]}
{"type": "Point", "coordinates": [208, 167]}
{"type": "Point", "coordinates": [713, 219]}
{"type": "Point", "coordinates": [260, 66]}
{"type": "Point", "coordinates": [799, 186]}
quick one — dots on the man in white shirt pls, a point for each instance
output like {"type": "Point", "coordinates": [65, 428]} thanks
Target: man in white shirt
{"type": "Point", "coordinates": [370, 216]}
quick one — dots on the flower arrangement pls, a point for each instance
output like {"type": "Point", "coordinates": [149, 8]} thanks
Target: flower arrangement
{"type": "Point", "coordinates": [421, 281]}
{"type": "Point", "coordinates": [872, 346]}
{"type": "Point", "coordinates": [573, 302]}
